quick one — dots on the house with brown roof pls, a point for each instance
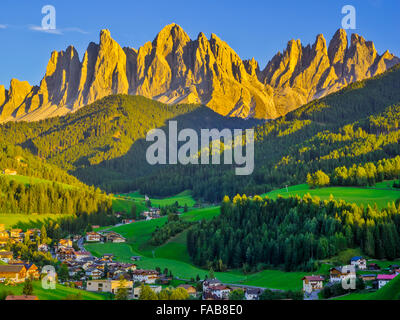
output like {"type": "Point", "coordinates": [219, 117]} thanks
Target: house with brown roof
{"type": "Point", "coordinates": [190, 289]}
{"type": "Point", "coordinates": [17, 234]}
{"type": "Point", "coordinates": [15, 273]}
{"type": "Point", "coordinates": [93, 237]}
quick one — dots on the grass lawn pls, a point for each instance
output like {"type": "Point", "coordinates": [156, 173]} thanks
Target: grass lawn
{"type": "Point", "coordinates": [359, 196]}
{"type": "Point", "coordinates": [10, 219]}
{"type": "Point", "coordinates": [60, 293]}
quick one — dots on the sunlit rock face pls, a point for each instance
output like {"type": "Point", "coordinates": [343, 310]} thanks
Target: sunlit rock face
{"type": "Point", "coordinates": [176, 69]}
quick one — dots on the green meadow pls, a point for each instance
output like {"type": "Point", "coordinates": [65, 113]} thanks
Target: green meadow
{"type": "Point", "coordinates": [182, 198]}
{"type": "Point", "coordinates": [360, 196]}
{"type": "Point", "coordinates": [60, 293]}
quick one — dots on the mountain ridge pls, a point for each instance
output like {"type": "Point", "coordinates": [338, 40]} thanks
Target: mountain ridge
{"type": "Point", "coordinates": [176, 69]}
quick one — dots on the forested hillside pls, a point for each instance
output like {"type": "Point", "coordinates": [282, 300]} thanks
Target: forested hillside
{"type": "Point", "coordinates": [294, 233]}
{"type": "Point", "coordinates": [358, 124]}
{"type": "Point", "coordinates": [104, 143]}
{"type": "Point", "coordinates": [44, 188]}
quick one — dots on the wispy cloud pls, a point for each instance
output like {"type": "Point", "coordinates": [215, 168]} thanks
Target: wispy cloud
{"type": "Point", "coordinates": [3, 26]}
{"type": "Point", "coordinates": [57, 31]}
{"type": "Point", "coordinates": [40, 29]}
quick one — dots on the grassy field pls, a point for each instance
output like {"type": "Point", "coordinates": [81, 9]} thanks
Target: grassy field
{"type": "Point", "coordinates": [60, 293]}
{"type": "Point", "coordinates": [182, 198]}
{"type": "Point", "coordinates": [359, 196]}
{"type": "Point", "coordinates": [11, 219]}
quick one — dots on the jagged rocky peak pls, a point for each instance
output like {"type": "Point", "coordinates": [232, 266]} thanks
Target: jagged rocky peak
{"type": "Point", "coordinates": [175, 69]}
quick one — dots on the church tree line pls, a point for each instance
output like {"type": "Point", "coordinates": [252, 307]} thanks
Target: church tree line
{"type": "Point", "coordinates": [293, 234]}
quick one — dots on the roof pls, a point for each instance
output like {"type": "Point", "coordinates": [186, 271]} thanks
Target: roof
{"type": "Point", "coordinates": [356, 258]}
{"type": "Point", "coordinates": [220, 288]}
{"type": "Point", "coordinates": [253, 291]}
{"type": "Point", "coordinates": [22, 298]}
{"type": "Point", "coordinates": [313, 278]}
{"type": "Point", "coordinates": [386, 276]}
{"type": "Point", "coordinates": [186, 286]}
{"type": "Point", "coordinates": [368, 275]}
{"type": "Point", "coordinates": [11, 268]}
{"type": "Point", "coordinates": [6, 253]}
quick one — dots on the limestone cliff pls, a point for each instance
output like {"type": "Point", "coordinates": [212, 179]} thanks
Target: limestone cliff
{"type": "Point", "coordinates": [175, 69]}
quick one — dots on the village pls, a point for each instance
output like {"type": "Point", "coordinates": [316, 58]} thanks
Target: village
{"type": "Point", "coordinates": [104, 275]}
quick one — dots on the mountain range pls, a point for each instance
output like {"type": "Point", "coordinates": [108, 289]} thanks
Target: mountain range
{"type": "Point", "coordinates": [175, 69]}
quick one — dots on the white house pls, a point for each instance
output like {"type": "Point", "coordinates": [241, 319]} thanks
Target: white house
{"type": "Point", "coordinates": [93, 237]}
{"type": "Point", "coordinates": [312, 283]}
{"type": "Point", "coordinates": [383, 279]}
{"type": "Point", "coordinates": [94, 273]}
{"type": "Point", "coordinates": [359, 262]}
{"type": "Point", "coordinates": [337, 274]}
{"type": "Point", "coordinates": [252, 293]}
{"type": "Point", "coordinates": [146, 276]}
{"type": "Point", "coordinates": [221, 291]}
{"type": "Point", "coordinates": [111, 286]}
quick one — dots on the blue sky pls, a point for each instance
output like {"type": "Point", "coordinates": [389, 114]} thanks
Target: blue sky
{"type": "Point", "coordinates": [252, 28]}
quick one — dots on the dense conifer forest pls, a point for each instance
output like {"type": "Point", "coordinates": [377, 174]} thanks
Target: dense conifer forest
{"type": "Point", "coordinates": [292, 233]}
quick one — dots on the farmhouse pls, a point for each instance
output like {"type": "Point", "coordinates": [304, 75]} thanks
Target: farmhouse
{"type": "Point", "coordinates": [65, 243]}
{"type": "Point", "coordinates": [359, 262]}
{"type": "Point", "coordinates": [146, 276]}
{"type": "Point", "coordinates": [15, 273]}
{"type": "Point", "coordinates": [368, 277]}
{"type": "Point", "coordinates": [16, 234]}
{"type": "Point", "coordinates": [312, 283]}
{"type": "Point", "coordinates": [6, 256]}
{"type": "Point", "coordinates": [81, 255]}
{"type": "Point", "coordinates": [114, 237]}
{"type": "Point", "coordinates": [43, 247]}
{"type": "Point", "coordinates": [94, 273]}
{"type": "Point", "coordinates": [93, 237]}
{"type": "Point", "coordinates": [32, 271]}
{"type": "Point", "coordinates": [190, 289]}
{"type": "Point", "coordinates": [65, 254]}
{"type": "Point", "coordinates": [252, 293]}
{"type": "Point", "coordinates": [383, 279]}
{"type": "Point", "coordinates": [337, 274]}
{"type": "Point", "coordinates": [111, 286]}
{"type": "Point", "coordinates": [374, 266]}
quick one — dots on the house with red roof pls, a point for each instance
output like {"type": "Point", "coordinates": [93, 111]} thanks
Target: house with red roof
{"type": "Point", "coordinates": [383, 279]}
{"type": "Point", "coordinates": [312, 283]}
